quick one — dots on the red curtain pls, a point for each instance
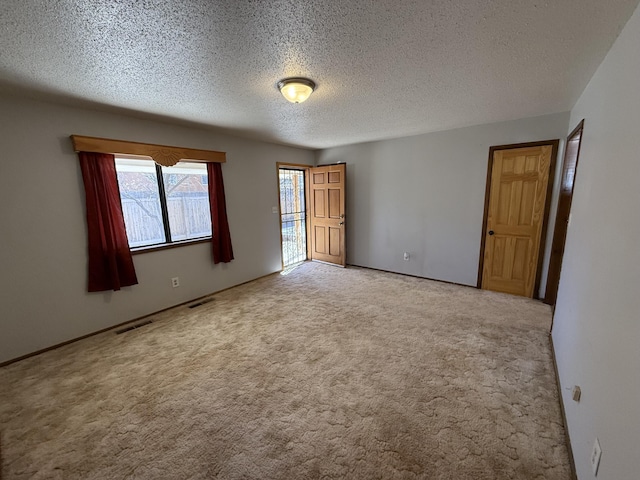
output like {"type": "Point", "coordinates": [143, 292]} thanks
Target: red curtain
{"type": "Point", "coordinates": [110, 262]}
{"type": "Point", "coordinates": [220, 235]}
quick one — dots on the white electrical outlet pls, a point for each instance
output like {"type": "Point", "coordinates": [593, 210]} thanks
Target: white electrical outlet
{"type": "Point", "coordinates": [175, 282]}
{"type": "Point", "coordinates": [407, 256]}
{"type": "Point", "coordinates": [596, 453]}
{"type": "Point", "coordinates": [274, 210]}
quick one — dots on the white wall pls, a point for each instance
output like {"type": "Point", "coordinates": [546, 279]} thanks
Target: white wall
{"type": "Point", "coordinates": [596, 329]}
{"type": "Point", "coordinates": [425, 195]}
{"type": "Point", "coordinates": [43, 259]}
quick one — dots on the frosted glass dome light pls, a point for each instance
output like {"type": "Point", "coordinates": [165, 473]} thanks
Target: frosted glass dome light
{"type": "Point", "coordinates": [296, 90]}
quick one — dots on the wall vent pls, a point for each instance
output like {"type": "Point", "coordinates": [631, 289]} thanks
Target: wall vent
{"type": "Point", "coordinates": [133, 327]}
{"type": "Point", "coordinates": [201, 302]}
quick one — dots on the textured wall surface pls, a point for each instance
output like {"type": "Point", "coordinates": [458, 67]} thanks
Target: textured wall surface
{"type": "Point", "coordinates": [43, 246]}
{"type": "Point", "coordinates": [596, 331]}
{"type": "Point", "coordinates": [425, 195]}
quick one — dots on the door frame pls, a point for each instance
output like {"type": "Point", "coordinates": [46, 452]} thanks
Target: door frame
{"type": "Point", "coordinates": [305, 168]}
{"type": "Point", "coordinates": [561, 226]}
{"type": "Point", "coordinates": [545, 219]}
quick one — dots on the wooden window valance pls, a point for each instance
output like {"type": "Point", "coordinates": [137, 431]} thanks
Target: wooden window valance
{"type": "Point", "coordinates": [161, 154]}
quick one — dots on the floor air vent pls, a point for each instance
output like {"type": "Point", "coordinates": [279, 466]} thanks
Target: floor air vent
{"type": "Point", "coordinates": [201, 302]}
{"type": "Point", "coordinates": [133, 327]}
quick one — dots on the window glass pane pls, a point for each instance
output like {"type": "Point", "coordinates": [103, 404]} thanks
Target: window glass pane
{"type": "Point", "coordinates": [140, 202]}
{"type": "Point", "coordinates": [185, 186]}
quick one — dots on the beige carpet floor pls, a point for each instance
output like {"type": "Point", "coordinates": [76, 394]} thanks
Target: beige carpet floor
{"type": "Point", "coordinates": [324, 373]}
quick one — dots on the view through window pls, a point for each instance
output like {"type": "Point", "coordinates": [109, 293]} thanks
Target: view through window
{"type": "Point", "coordinates": [293, 214]}
{"type": "Point", "coordinates": [163, 204]}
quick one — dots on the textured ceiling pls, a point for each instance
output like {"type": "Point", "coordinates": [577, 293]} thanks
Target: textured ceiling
{"type": "Point", "coordinates": [384, 68]}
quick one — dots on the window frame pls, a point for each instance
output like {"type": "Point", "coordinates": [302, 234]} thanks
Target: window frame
{"type": "Point", "coordinates": [168, 243]}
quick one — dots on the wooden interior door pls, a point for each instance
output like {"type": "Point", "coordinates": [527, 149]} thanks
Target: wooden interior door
{"type": "Point", "coordinates": [327, 213]}
{"type": "Point", "coordinates": [569, 169]}
{"type": "Point", "coordinates": [517, 206]}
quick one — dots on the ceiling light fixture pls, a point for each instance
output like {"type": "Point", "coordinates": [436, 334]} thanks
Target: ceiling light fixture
{"type": "Point", "coordinates": [296, 89]}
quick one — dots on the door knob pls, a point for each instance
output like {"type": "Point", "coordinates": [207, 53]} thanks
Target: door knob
{"type": "Point", "coordinates": [491, 232]}
{"type": "Point", "coordinates": [341, 223]}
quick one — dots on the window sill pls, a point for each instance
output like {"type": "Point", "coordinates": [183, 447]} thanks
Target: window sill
{"type": "Point", "coordinates": [167, 246]}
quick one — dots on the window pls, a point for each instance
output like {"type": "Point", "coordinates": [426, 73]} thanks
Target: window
{"type": "Point", "coordinates": [163, 205]}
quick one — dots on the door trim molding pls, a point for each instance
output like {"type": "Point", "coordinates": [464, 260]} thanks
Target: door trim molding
{"type": "Point", "coordinates": [560, 236]}
{"type": "Point", "coordinates": [545, 220]}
